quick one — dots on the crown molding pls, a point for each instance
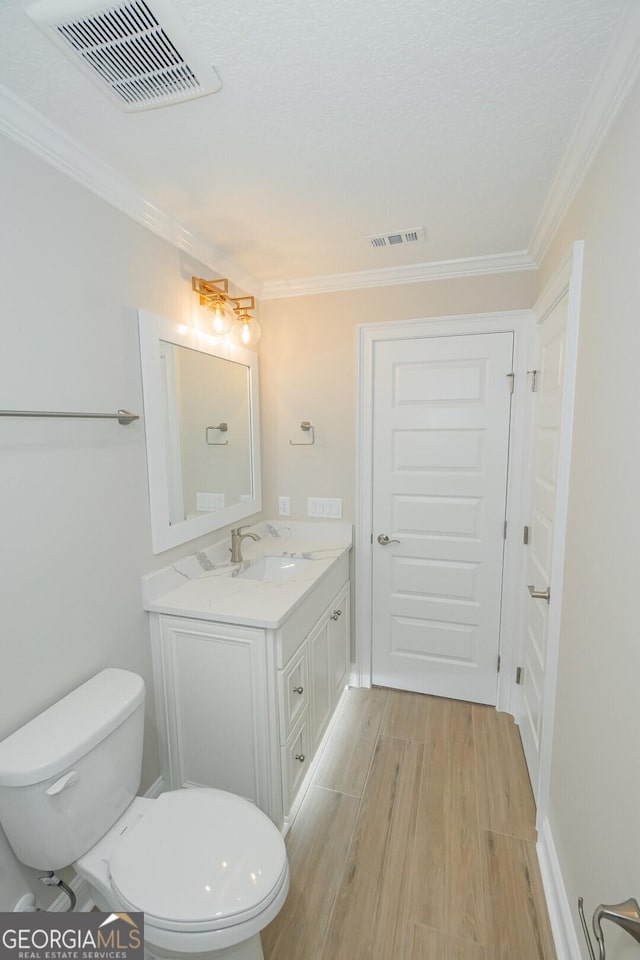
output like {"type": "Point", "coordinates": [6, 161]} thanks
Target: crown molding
{"type": "Point", "coordinates": [21, 123]}
{"type": "Point", "coordinates": [391, 276]}
{"type": "Point", "coordinates": [614, 81]}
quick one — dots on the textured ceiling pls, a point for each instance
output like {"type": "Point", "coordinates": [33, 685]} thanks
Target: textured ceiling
{"type": "Point", "coordinates": [344, 118]}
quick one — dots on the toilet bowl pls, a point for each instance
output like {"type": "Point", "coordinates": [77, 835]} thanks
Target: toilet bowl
{"type": "Point", "coordinates": [207, 868]}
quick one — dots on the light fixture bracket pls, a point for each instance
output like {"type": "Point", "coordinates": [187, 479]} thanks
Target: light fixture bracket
{"type": "Point", "coordinates": [214, 291]}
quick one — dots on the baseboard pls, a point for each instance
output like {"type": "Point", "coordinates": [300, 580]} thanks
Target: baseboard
{"type": "Point", "coordinates": [156, 788]}
{"type": "Point", "coordinates": [561, 914]}
{"type": "Point", "coordinates": [356, 679]}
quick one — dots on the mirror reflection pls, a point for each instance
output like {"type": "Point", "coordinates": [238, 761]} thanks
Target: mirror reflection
{"type": "Point", "coordinates": [207, 431]}
{"type": "Point", "coordinates": [202, 430]}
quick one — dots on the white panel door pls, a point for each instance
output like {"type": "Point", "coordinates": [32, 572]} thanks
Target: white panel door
{"type": "Point", "coordinates": [546, 449]}
{"type": "Point", "coordinates": [441, 439]}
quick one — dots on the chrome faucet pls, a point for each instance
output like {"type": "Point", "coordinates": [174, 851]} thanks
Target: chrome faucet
{"type": "Point", "coordinates": [237, 536]}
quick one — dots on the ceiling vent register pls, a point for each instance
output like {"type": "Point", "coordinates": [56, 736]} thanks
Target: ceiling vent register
{"type": "Point", "coordinates": [139, 52]}
{"type": "Point", "coordinates": [399, 237]}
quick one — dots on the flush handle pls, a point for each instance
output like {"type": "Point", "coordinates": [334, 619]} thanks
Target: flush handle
{"type": "Point", "coordinates": [68, 780]}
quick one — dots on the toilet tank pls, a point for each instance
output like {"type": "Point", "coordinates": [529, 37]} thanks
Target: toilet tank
{"type": "Point", "coordinates": [68, 774]}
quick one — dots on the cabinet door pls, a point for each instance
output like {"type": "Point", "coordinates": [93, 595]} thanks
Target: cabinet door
{"type": "Point", "coordinates": [294, 692]}
{"type": "Point", "coordinates": [339, 645]}
{"type": "Point", "coordinates": [216, 700]}
{"type": "Point", "coordinates": [296, 756]}
{"type": "Point", "coordinates": [320, 679]}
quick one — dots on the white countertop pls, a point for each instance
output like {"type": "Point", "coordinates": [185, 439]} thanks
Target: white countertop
{"type": "Point", "coordinates": [206, 585]}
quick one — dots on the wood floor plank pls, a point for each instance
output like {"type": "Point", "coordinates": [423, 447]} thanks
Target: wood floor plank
{"type": "Point", "coordinates": [423, 943]}
{"type": "Point", "coordinates": [347, 759]}
{"type": "Point", "coordinates": [409, 871]}
{"type": "Point", "coordinates": [426, 895]}
{"type": "Point", "coordinates": [505, 799]}
{"type": "Point", "coordinates": [406, 715]}
{"type": "Point", "coordinates": [447, 871]}
{"type": "Point", "coordinates": [317, 847]}
{"type": "Point", "coordinates": [517, 919]}
{"type": "Point", "coordinates": [464, 862]}
{"type": "Point", "coordinates": [368, 917]}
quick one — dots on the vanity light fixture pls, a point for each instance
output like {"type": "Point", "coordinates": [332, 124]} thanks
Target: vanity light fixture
{"type": "Point", "coordinates": [246, 330]}
{"type": "Point", "coordinates": [230, 314]}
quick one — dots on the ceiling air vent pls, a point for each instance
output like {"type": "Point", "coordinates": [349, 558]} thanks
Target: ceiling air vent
{"type": "Point", "coordinates": [139, 52]}
{"type": "Point", "coordinates": [414, 235]}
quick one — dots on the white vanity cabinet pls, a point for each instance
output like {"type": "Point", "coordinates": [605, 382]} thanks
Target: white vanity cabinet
{"type": "Point", "coordinates": [244, 708]}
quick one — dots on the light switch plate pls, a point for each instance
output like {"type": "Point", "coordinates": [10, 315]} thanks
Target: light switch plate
{"type": "Point", "coordinates": [325, 508]}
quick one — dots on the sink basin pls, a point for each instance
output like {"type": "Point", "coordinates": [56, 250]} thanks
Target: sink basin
{"type": "Point", "coordinates": [275, 569]}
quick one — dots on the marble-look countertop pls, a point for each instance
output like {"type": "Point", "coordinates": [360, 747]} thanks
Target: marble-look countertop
{"type": "Point", "coordinates": [206, 585]}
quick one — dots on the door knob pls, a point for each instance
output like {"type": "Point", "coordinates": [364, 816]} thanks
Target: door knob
{"type": "Point", "coordinates": [383, 539]}
{"type": "Point", "coordinates": [539, 594]}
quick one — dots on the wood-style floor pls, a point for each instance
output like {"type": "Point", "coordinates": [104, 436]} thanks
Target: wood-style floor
{"type": "Point", "coordinates": [415, 841]}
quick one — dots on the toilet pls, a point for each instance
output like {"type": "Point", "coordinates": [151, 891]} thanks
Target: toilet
{"type": "Point", "coordinates": [207, 868]}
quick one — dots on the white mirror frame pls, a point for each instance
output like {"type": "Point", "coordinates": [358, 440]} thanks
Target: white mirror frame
{"type": "Point", "coordinates": [152, 330]}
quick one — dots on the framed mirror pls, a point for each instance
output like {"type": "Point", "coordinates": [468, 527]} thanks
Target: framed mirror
{"type": "Point", "coordinates": [202, 431]}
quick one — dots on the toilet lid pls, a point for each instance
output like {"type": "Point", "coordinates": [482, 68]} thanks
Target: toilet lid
{"type": "Point", "coordinates": [199, 857]}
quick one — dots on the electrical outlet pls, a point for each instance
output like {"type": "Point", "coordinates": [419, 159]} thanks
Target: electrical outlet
{"type": "Point", "coordinates": [284, 506]}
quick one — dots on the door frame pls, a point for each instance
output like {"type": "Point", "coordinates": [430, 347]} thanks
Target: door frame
{"type": "Point", "coordinates": [521, 324]}
{"type": "Point", "coordinates": [567, 281]}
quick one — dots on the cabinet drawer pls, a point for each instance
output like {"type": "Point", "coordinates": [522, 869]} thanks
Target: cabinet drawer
{"type": "Point", "coordinates": [295, 761]}
{"type": "Point", "coordinates": [294, 692]}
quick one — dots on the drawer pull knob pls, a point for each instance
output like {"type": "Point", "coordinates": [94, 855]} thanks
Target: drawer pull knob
{"type": "Point", "coordinates": [301, 757]}
{"type": "Point", "coordinates": [334, 616]}
{"type": "Point", "coordinates": [298, 689]}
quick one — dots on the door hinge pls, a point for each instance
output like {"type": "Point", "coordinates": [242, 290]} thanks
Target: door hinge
{"type": "Point", "coordinates": [518, 674]}
{"type": "Point", "coordinates": [505, 529]}
{"type": "Point", "coordinates": [534, 380]}
{"type": "Point", "coordinates": [525, 534]}
{"type": "Point", "coordinates": [499, 662]}
{"type": "Point", "coordinates": [511, 377]}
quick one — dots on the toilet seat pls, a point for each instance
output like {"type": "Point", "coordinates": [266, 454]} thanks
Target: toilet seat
{"type": "Point", "coordinates": [200, 860]}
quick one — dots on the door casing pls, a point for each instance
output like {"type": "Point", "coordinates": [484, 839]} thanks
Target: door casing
{"type": "Point", "coordinates": [566, 281]}
{"type": "Point", "coordinates": [520, 323]}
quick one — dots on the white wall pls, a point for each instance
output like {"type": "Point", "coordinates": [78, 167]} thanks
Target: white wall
{"type": "Point", "coordinates": [595, 787]}
{"type": "Point", "coordinates": [75, 534]}
{"type": "Point", "coordinates": [308, 370]}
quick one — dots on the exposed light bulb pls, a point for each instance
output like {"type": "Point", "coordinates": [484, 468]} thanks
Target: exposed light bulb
{"type": "Point", "coordinates": [223, 317]}
{"type": "Point", "coordinates": [246, 331]}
